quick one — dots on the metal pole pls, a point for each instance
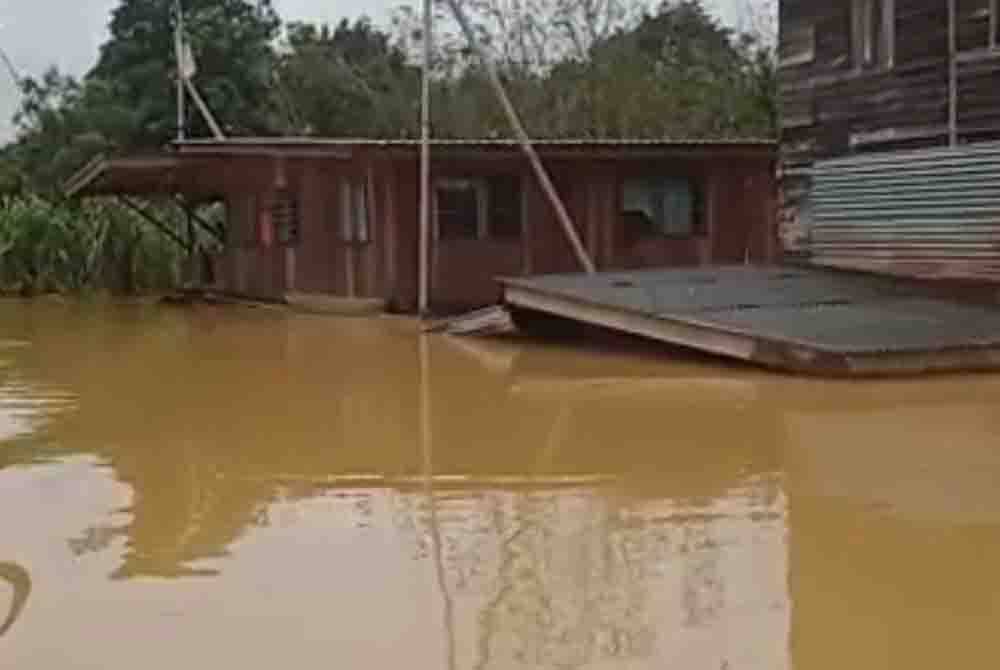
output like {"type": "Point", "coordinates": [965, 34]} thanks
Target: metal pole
{"type": "Point", "coordinates": [180, 108]}
{"type": "Point", "coordinates": [179, 56]}
{"type": "Point", "coordinates": [952, 74]}
{"type": "Point", "coordinates": [425, 160]}
{"type": "Point", "coordinates": [522, 136]}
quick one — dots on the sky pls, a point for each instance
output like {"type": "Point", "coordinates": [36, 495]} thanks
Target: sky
{"type": "Point", "coordinates": [36, 34]}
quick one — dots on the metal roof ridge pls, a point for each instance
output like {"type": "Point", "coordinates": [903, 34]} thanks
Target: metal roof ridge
{"type": "Point", "coordinates": [406, 142]}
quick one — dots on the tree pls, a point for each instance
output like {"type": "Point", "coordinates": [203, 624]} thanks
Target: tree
{"type": "Point", "coordinates": [231, 41]}
{"type": "Point", "coordinates": [61, 124]}
{"type": "Point", "coordinates": [348, 81]}
{"type": "Point", "coordinates": [602, 68]}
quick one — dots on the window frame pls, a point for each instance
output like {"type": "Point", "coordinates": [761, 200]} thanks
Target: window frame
{"type": "Point", "coordinates": [354, 219]}
{"type": "Point", "coordinates": [481, 184]}
{"type": "Point", "coordinates": [994, 24]}
{"type": "Point", "coordinates": [698, 190]}
{"type": "Point", "coordinates": [286, 233]}
{"type": "Point", "coordinates": [888, 34]}
{"type": "Point", "coordinates": [990, 14]}
{"type": "Point", "coordinates": [806, 34]}
{"type": "Point", "coordinates": [873, 34]}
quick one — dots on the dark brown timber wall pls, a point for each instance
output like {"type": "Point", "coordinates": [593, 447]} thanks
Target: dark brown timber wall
{"type": "Point", "coordinates": [873, 77]}
{"type": "Point", "coordinates": [735, 222]}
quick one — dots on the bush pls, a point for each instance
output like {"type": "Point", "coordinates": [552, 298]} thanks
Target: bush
{"type": "Point", "coordinates": [67, 248]}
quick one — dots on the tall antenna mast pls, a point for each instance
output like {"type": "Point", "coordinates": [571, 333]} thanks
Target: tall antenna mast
{"type": "Point", "coordinates": [186, 69]}
{"type": "Point", "coordinates": [179, 54]}
{"type": "Point", "coordinates": [425, 160]}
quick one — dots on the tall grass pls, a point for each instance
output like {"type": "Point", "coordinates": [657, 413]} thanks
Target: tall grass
{"type": "Point", "coordinates": [68, 248]}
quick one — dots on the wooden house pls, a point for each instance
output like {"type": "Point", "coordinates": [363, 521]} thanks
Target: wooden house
{"type": "Point", "coordinates": [340, 217]}
{"type": "Point", "coordinates": [890, 130]}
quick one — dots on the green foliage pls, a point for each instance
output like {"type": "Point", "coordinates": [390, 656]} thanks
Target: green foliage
{"type": "Point", "coordinates": [63, 124]}
{"type": "Point", "coordinates": [674, 72]}
{"type": "Point", "coordinates": [47, 247]}
{"type": "Point", "coordinates": [347, 82]}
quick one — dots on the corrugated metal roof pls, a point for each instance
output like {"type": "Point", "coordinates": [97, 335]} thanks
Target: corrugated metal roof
{"type": "Point", "coordinates": [476, 142]}
{"type": "Point", "coordinates": [931, 213]}
{"type": "Point", "coordinates": [341, 148]}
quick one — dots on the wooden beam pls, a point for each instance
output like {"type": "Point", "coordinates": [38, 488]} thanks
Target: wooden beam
{"type": "Point", "coordinates": [206, 113]}
{"type": "Point", "coordinates": [522, 136]}
{"type": "Point", "coordinates": [212, 230]}
{"type": "Point", "coordinates": [151, 220]}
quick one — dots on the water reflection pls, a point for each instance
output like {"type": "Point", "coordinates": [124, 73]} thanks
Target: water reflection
{"type": "Point", "coordinates": [319, 483]}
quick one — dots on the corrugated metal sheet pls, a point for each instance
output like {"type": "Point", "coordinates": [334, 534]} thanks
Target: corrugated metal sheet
{"type": "Point", "coordinates": [930, 213]}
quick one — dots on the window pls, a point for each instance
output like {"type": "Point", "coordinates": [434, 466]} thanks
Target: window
{"type": "Point", "coordinates": [994, 11]}
{"type": "Point", "coordinates": [873, 33]}
{"type": "Point", "coordinates": [354, 220]}
{"type": "Point", "coordinates": [504, 214]}
{"type": "Point", "coordinates": [285, 217]}
{"type": "Point", "coordinates": [661, 207]}
{"type": "Point", "coordinates": [977, 24]}
{"type": "Point", "coordinates": [474, 209]}
{"type": "Point", "coordinates": [798, 45]}
{"type": "Point", "coordinates": [459, 209]}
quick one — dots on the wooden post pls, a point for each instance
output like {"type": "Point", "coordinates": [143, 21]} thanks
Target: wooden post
{"type": "Point", "coordinates": [425, 161]}
{"type": "Point", "coordinates": [522, 136]}
{"type": "Point", "coordinates": [391, 224]}
{"type": "Point", "coordinates": [952, 73]}
{"type": "Point", "coordinates": [205, 111]}
{"type": "Point", "coordinates": [371, 238]}
{"type": "Point", "coordinates": [192, 241]}
{"type": "Point", "coordinates": [178, 52]}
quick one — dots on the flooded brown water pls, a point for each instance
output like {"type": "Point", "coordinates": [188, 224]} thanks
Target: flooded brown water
{"type": "Point", "coordinates": [225, 488]}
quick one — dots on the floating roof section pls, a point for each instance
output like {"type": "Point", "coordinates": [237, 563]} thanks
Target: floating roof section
{"type": "Point", "coordinates": [816, 321]}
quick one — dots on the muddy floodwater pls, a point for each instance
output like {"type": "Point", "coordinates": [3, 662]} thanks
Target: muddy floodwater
{"type": "Point", "coordinates": [230, 488]}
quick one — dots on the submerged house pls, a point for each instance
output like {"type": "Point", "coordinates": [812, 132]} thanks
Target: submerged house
{"type": "Point", "coordinates": [891, 136]}
{"type": "Point", "coordinates": [340, 217]}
